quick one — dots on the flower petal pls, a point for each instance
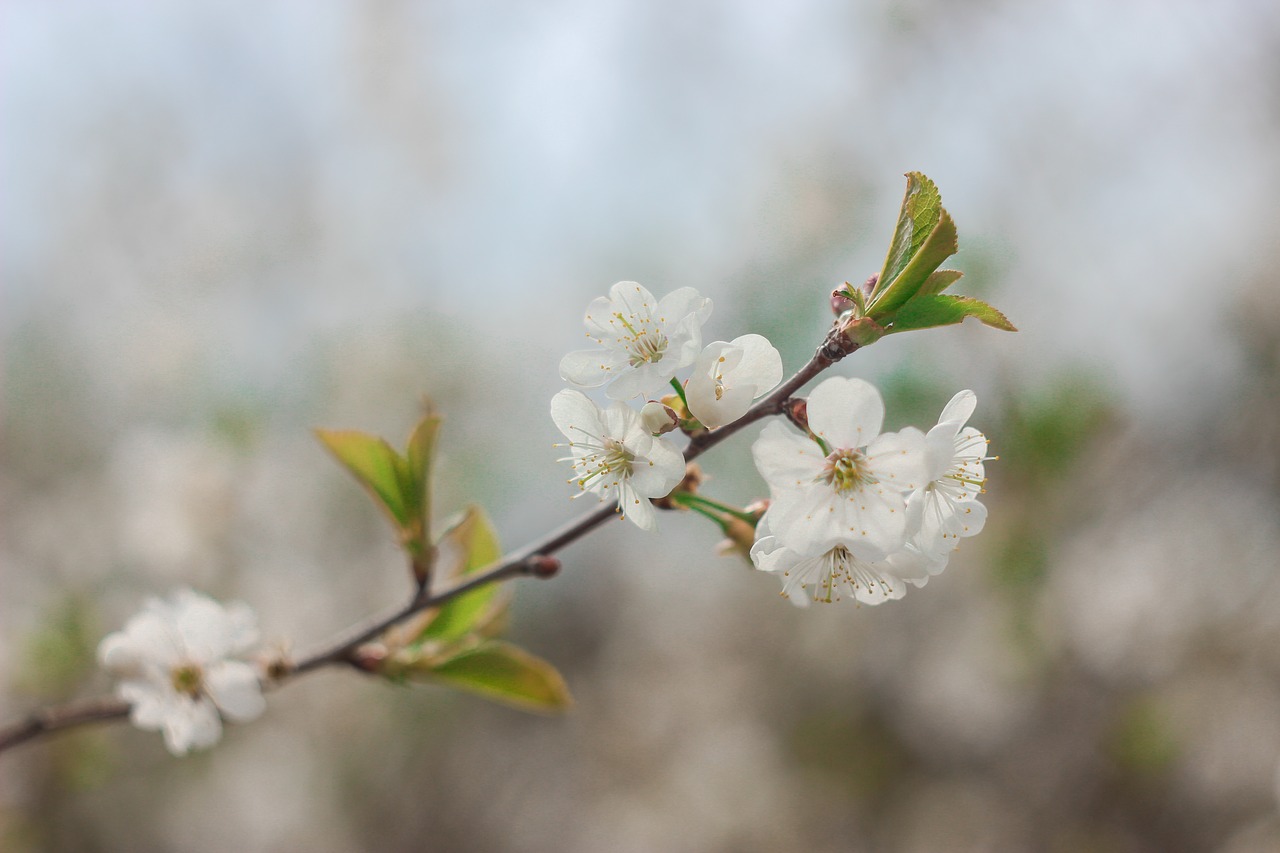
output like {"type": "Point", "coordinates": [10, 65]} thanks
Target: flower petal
{"type": "Point", "coordinates": [234, 687]}
{"type": "Point", "coordinates": [846, 412]}
{"type": "Point", "coordinates": [786, 459]}
{"type": "Point", "coordinates": [590, 368]}
{"type": "Point", "coordinates": [761, 364]}
{"type": "Point", "coordinates": [191, 724]}
{"type": "Point", "coordinates": [900, 459]}
{"type": "Point", "coordinates": [960, 408]}
{"type": "Point", "coordinates": [637, 510]}
{"type": "Point", "coordinates": [575, 415]}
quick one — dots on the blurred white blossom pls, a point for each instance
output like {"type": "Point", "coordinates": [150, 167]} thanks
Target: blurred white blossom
{"type": "Point", "coordinates": [173, 661]}
{"type": "Point", "coordinates": [946, 509]}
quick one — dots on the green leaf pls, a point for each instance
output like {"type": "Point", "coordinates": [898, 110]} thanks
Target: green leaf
{"type": "Point", "coordinates": [418, 458]}
{"type": "Point", "coordinates": [920, 212]}
{"type": "Point", "coordinates": [507, 674]}
{"type": "Point", "coordinates": [925, 312]}
{"type": "Point", "coordinates": [940, 244]}
{"type": "Point", "coordinates": [378, 468]}
{"type": "Point", "coordinates": [476, 543]}
{"type": "Point", "coordinates": [938, 282]}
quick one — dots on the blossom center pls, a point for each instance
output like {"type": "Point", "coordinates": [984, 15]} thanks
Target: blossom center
{"type": "Point", "coordinates": [845, 471]}
{"type": "Point", "coordinates": [646, 344]}
{"type": "Point", "coordinates": [187, 679]}
{"type": "Point", "coordinates": [612, 462]}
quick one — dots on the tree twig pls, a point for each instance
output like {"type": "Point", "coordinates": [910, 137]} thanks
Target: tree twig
{"type": "Point", "coordinates": [58, 718]}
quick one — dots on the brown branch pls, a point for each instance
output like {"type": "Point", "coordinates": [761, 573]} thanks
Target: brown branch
{"type": "Point", "coordinates": [522, 562]}
{"type": "Point", "coordinates": [61, 718]}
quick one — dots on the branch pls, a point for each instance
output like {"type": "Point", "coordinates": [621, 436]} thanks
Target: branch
{"type": "Point", "coordinates": [530, 560]}
{"type": "Point", "coordinates": [60, 718]}
{"type": "Point", "coordinates": [523, 562]}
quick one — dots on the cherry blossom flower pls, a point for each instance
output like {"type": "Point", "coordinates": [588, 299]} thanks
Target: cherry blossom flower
{"type": "Point", "coordinates": [615, 456]}
{"type": "Point", "coordinates": [834, 574]}
{"type": "Point", "coordinates": [846, 488]}
{"type": "Point", "coordinates": [728, 376]}
{"type": "Point", "coordinates": [173, 659]}
{"type": "Point", "coordinates": [946, 508]}
{"type": "Point", "coordinates": [645, 341]}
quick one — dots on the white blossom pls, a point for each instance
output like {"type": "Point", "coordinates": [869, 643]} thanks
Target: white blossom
{"type": "Point", "coordinates": [727, 377]}
{"type": "Point", "coordinates": [644, 341]}
{"type": "Point", "coordinates": [946, 508]}
{"type": "Point", "coordinates": [615, 456]}
{"type": "Point", "coordinates": [833, 574]}
{"type": "Point", "coordinates": [173, 661]}
{"type": "Point", "coordinates": [848, 491]}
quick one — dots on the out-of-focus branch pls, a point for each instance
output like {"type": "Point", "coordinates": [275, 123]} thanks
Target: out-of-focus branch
{"type": "Point", "coordinates": [60, 718]}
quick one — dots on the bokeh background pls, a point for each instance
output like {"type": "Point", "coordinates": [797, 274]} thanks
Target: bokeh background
{"type": "Point", "coordinates": [222, 224]}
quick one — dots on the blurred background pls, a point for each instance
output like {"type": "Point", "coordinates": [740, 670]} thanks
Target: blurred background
{"type": "Point", "coordinates": [223, 224]}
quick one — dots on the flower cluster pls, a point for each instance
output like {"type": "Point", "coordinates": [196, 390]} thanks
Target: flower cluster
{"type": "Point", "coordinates": [642, 343]}
{"type": "Point", "coordinates": [859, 514]}
{"type": "Point", "coordinates": [176, 676]}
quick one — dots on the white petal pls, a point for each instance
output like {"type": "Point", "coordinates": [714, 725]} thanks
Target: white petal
{"type": "Point", "coordinates": [940, 448]}
{"type": "Point", "coordinates": [846, 412]}
{"type": "Point", "coordinates": [647, 380]}
{"type": "Point", "coordinates": [191, 724]}
{"type": "Point", "coordinates": [682, 303]}
{"type": "Point", "coordinates": [120, 655]}
{"type": "Point", "coordinates": [150, 702]}
{"type": "Point", "coordinates": [786, 459]}
{"type": "Point", "coordinates": [208, 632]}
{"type": "Point", "coordinates": [152, 636]}
{"type": "Point", "coordinates": [960, 409]}
{"type": "Point", "coordinates": [575, 415]}
{"type": "Point", "coordinates": [900, 459]}
{"type": "Point", "coordinates": [761, 364]}
{"type": "Point", "coordinates": [235, 689]}
{"type": "Point", "coordinates": [638, 510]}
{"type": "Point", "coordinates": [590, 368]}
{"type": "Point", "coordinates": [599, 319]}
{"type": "Point", "coordinates": [658, 471]}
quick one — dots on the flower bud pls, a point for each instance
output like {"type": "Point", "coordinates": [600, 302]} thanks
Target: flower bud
{"type": "Point", "coordinates": [741, 534]}
{"type": "Point", "coordinates": [840, 301]}
{"type": "Point", "coordinates": [658, 419]}
{"type": "Point", "coordinates": [798, 412]}
{"type": "Point", "coordinates": [869, 286]}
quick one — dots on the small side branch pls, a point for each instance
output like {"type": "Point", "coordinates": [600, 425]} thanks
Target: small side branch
{"type": "Point", "coordinates": [61, 718]}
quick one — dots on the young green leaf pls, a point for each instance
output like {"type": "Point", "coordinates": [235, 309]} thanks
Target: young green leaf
{"type": "Point", "coordinates": [378, 468]}
{"type": "Point", "coordinates": [938, 282]}
{"type": "Point", "coordinates": [505, 673]}
{"type": "Point", "coordinates": [418, 458]}
{"type": "Point", "coordinates": [920, 212]}
{"type": "Point", "coordinates": [475, 544]}
{"type": "Point", "coordinates": [925, 312]}
{"type": "Point", "coordinates": [940, 244]}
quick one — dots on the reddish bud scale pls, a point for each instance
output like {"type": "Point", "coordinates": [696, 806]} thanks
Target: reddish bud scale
{"type": "Point", "coordinates": [798, 412]}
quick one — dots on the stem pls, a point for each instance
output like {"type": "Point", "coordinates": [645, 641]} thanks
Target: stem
{"type": "Point", "coordinates": [62, 717]}
{"type": "Point", "coordinates": [699, 502]}
{"type": "Point", "coordinates": [706, 513]}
